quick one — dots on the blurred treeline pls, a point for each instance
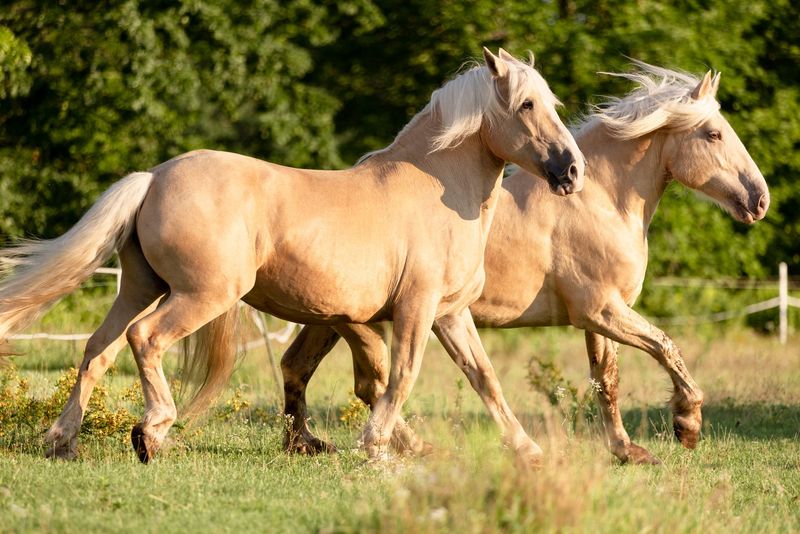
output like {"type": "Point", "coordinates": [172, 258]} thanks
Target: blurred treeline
{"type": "Point", "coordinates": [92, 90]}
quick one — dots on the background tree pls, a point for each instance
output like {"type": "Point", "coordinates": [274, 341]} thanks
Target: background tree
{"type": "Point", "coordinates": [88, 94]}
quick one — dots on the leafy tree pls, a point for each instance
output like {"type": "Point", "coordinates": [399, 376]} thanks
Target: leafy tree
{"type": "Point", "coordinates": [89, 94]}
{"type": "Point", "coordinates": [386, 74]}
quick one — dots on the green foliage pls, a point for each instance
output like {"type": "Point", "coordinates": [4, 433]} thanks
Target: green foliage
{"type": "Point", "coordinates": [577, 409]}
{"type": "Point", "coordinates": [419, 44]}
{"type": "Point", "coordinates": [88, 94]}
{"type": "Point", "coordinates": [24, 416]}
{"type": "Point", "coordinates": [15, 58]}
{"type": "Point", "coordinates": [354, 414]}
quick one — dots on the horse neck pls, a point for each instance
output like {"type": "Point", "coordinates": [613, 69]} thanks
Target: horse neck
{"type": "Point", "coordinates": [630, 171]}
{"type": "Point", "coordinates": [469, 173]}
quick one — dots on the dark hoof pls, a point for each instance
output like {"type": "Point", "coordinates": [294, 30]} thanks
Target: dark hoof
{"type": "Point", "coordinates": [640, 456]}
{"type": "Point", "coordinates": [307, 445]}
{"type": "Point", "coordinates": [61, 453]}
{"type": "Point", "coordinates": [685, 431]}
{"type": "Point", "coordinates": [139, 441]}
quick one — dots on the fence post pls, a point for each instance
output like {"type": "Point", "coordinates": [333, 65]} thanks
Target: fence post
{"type": "Point", "coordinates": [783, 301]}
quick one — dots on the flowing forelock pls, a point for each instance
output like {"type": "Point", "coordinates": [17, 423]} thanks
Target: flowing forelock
{"type": "Point", "coordinates": [462, 103]}
{"type": "Point", "coordinates": [661, 100]}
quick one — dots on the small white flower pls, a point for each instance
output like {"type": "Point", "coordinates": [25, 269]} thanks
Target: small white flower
{"type": "Point", "coordinates": [596, 385]}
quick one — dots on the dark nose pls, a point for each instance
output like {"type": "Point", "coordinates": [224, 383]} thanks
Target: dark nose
{"type": "Point", "coordinates": [573, 172]}
{"type": "Point", "coordinates": [563, 174]}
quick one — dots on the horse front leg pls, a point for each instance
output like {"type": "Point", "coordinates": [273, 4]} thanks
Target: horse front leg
{"type": "Point", "coordinates": [460, 338]}
{"type": "Point", "coordinates": [371, 377]}
{"type": "Point", "coordinates": [605, 373]}
{"type": "Point", "coordinates": [410, 330]}
{"type": "Point", "coordinates": [623, 325]}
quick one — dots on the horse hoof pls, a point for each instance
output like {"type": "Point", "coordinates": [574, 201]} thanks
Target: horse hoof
{"type": "Point", "coordinates": [63, 452]}
{"type": "Point", "coordinates": [377, 453]}
{"type": "Point", "coordinates": [304, 442]}
{"type": "Point", "coordinates": [529, 457]}
{"type": "Point", "coordinates": [140, 444]}
{"type": "Point", "coordinates": [411, 445]}
{"type": "Point", "coordinates": [308, 446]}
{"type": "Point", "coordinates": [640, 456]}
{"type": "Point", "coordinates": [685, 431]}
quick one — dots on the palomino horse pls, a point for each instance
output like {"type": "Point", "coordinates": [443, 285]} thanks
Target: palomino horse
{"type": "Point", "coordinates": [581, 261]}
{"type": "Point", "coordinates": [399, 237]}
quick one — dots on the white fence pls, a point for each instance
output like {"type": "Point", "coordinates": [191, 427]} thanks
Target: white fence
{"type": "Point", "coordinates": [782, 301]}
{"type": "Point", "coordinates": [281, 336]}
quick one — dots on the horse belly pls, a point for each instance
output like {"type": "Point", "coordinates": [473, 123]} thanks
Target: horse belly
{"type": "Point", "coordinates": [309, 295]}
{"type": "Point", "coordinates": [509, 301]}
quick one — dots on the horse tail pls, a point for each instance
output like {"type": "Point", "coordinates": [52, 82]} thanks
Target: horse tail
{"type": "Point", "coordinates": [36, 273]}
{"type": "Point", "coordinates": [209, 358]}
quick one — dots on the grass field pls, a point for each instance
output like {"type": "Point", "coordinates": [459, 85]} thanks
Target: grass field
{"type": "Point", "coordinates": [229, 474]}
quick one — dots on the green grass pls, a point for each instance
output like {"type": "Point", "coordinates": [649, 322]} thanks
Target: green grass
{"type": "Point", "coordinates": [230, 475]}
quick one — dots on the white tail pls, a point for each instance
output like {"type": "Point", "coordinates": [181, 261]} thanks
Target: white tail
{"type": "Point", "coordinates": [38, 273]}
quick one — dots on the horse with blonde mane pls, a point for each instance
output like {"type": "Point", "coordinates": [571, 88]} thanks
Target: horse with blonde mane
{"type": "Point", "coordinates": [398, 237]}
{"type": "Point", "coordinates": [581, 260]}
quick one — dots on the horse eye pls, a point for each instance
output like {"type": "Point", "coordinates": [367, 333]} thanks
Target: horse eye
{"type": "Point", "coordinates": [527, 105]}
{"type": "Point", "coordinates": [714, 135]}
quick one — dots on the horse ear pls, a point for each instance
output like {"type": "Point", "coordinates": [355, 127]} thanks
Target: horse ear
{"type": "Point", "coordinates": [530, 58]}
{"type": "Point", "coordinates": [497, 66]}
{"type": "Point", "coordinates": [703, 88]}
{"type": "Point", "coordinates": [715, 84]}
{"type": "Point", "coordinates": [506, 56]}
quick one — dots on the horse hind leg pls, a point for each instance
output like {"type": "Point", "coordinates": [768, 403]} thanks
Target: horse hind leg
{"type": "Point", "coordinates": [139, 290]}
{"type": "Point", "coordinates": [178, 316]}
{"type": "Point", "coordinates": [298, 365]}
{"type": "Point", "coordinates": [605, 374]}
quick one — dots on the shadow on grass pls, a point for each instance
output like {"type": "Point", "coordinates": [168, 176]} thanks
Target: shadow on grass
{"type": "Point", "coordinates": [757, 421]}
{"type": "Point", "coordinates": [749, 421]}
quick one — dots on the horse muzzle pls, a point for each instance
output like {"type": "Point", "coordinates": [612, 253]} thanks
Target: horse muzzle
{"type": "Point", "coordinates": [564, 179]}
{"type": "Point", "coordinates": [755, 211]}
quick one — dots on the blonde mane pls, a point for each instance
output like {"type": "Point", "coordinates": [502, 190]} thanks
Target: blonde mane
{"type": "Point", "coordinates": [462, 103]}
{"type": "Point", "coordinates": [661, 100]}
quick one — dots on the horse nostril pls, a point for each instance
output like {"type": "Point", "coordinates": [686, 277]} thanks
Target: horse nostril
{"type": "Point", "coordinates": [573, 172]}
{"type": "Point", "coordinates": [763, 204]}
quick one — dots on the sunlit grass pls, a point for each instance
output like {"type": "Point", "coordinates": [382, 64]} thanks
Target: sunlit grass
{"type": "Point", "coordinates": [230, 474]}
